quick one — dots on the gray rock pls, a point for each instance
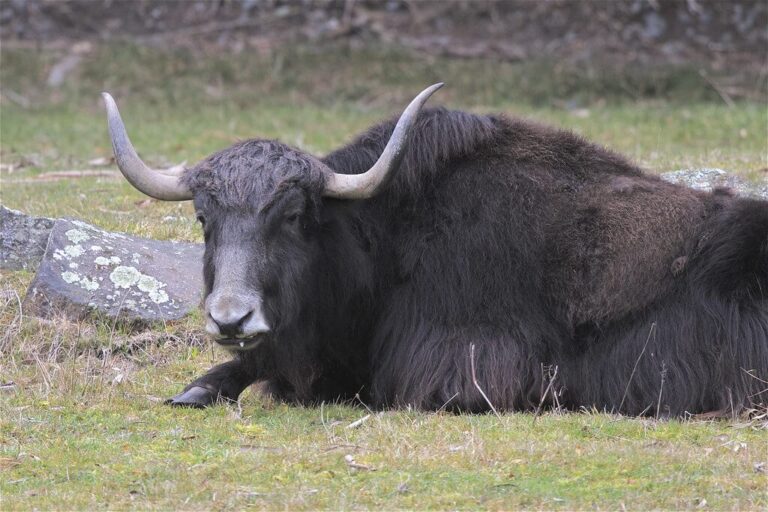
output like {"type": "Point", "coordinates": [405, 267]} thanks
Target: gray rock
{"type": "Point", "coordinates": [709, 178]}
{"type": "Point", "coordinates": [85, 269]}
{"type": "Point", "coordinates": [22, 239]}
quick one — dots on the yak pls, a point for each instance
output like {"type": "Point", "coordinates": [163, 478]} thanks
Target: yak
{"type": "Point", "coordinates": [455, 261]}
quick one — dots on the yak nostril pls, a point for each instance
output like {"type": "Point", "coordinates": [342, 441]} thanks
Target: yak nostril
{"type": "Point", "coordinates": [229, 327]}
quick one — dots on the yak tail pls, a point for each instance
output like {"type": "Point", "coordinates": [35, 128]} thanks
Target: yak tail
{"type": "Point", "coordinates": [732, 260]}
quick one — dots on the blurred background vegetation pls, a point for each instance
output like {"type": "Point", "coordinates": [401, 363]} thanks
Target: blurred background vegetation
{"type": "Point", "coordinates": [557, 52]}
{"type": "Point", "coordinates": [200, 74]}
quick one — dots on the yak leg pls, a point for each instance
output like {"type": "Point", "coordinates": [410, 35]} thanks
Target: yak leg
{"type": "Point", "coordinates": [222, 383]}
{"type": "Point", "coordinates": [430, 367]}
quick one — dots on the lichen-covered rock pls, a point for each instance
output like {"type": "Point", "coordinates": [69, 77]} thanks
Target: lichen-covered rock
{"type": "Point", "coordinates": [710, 178]}
{"type": "Point", "coordinates": [23, 239]}
{"type": "Point", "coordinates": [87, 269]}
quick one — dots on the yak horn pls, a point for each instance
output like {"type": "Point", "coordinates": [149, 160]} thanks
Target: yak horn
{"type": "Point", "coordinates": [363, 186]}
{"type": "Point", "coordinates": [164, 186]}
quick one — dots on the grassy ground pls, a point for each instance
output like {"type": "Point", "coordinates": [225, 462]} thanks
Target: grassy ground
{"type": "Point", "coordinates": [84, 426]}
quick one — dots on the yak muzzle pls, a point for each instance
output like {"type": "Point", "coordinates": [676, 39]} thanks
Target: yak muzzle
{"type": "Point", "coordinates": [236, 321]}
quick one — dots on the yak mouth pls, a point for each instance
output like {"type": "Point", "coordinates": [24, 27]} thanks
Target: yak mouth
{"type": "Point", "coordinates": [240, 344]}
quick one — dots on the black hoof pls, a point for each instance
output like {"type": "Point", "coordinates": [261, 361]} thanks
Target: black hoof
{"type": "Point", "coordinates": [196, 396]}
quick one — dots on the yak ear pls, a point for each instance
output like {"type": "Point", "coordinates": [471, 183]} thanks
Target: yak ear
{"type": "Point", "coordinates": [368, 184]}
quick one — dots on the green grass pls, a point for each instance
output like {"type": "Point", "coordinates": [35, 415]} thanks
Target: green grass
{"type": "Point", "coordinates": [85, 426]}
{"type": "Point", "coordinates": [120, 448]}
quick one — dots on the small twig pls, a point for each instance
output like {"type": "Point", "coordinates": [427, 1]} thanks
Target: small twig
{"type": "Point", "coordinates": [642, 413]}
{"type": "Point", "coordinates": [86, 384]}
{"type": "Point", "coordinates": [730, 401]}
{"type": "Point", "coordinates": [239, 414]}
{"type": "Point", "coordinates": [442, 407]}
{"type": "Point", "coordinates": [8, 386]}
{"type": "Point", "coordinates": [546, 391]}
{"type": "Point", "coordinates": [350, 460]}
{"type": "Point", "coordinates": [661, 388]}
{"type": "Point", "coordinates": [556, 398]}
{"type": "Point", "coordinates": [749, 372]}
{"type": "Point", "coordinates": [757, 393]}
{"type": "Point", "coordinates": [79, 173]}
{"type": "Point", "coordinates": [18, 301]}
{"type": "Point", "coordinates": [719, 90]}
{"type": "Point", "coordinates": [346, 447]}
{"type": "Point", "coordinates": [632, 375]}
{"type": "Point", "coordinates": [357, 397]}
{"type": "Point", "coordinates": [474, 379]}
{"type": "Point", "coordinates": [322, 406]}
{"type": "Point", "coordinates": [44, 373]}
{"type": "Point", "coordinates": [359, 422]}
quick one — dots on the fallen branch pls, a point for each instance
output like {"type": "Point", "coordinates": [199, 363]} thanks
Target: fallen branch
{"type": "Point", "coordinates": [69, 174]}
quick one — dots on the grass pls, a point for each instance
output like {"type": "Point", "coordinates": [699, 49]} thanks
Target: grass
{"type": "Point", "coordinates": [84, 426]}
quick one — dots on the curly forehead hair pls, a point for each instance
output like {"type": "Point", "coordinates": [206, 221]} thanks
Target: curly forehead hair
{"type": "Point", "coordinates": [254, 172]}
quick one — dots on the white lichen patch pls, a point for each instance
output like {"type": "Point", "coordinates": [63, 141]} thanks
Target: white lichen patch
{"type": "Point", "coordinates": [77, 235]}
{"type": "Point", "coordinates": [147, 286]}
{"type": "Point", "coordinates": [112, 260]}
{"type": "Point", "coordinates": [96, 248]}
{"type": "Point", "coordinates": [153, 287]}
{"type": "Point", "coordinates": [70, 277]}
{"type": "Point", "coordinates": [89, 284]}
{"type": "Point", "coordinates": [124, 277]}
{"type": "Point", "coordinates": [84, 282]}
{"type": "Point", "coordinates": [74, 251]}
{"type": "Point", "coordinates": [73, 265]}
{"type": "Point", "coordinates": [158, 296]}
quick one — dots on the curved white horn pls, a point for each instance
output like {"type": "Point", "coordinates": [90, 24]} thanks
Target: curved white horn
{"type": "Point", "coordinates": [166, 187]}
{"type": "Point", "coordinates": [363, 186]}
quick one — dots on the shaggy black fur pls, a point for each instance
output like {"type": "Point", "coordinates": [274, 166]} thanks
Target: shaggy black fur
{"type": "Point", "coordinates": [543, 250]}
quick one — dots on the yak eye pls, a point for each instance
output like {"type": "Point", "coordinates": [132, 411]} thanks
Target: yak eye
{"type": "Point", "coordinates": [292, 218]}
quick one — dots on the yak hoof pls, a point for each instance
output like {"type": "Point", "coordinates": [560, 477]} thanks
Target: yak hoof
{"type": "Point", "coordinates": [196, 397]}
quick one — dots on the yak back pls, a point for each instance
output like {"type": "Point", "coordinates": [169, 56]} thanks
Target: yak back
{"type": "Point", "coordinates": [441, 138]}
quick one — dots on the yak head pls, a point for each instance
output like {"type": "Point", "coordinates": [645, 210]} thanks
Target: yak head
{"type": "Point", "coordinates": [259, 203]}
